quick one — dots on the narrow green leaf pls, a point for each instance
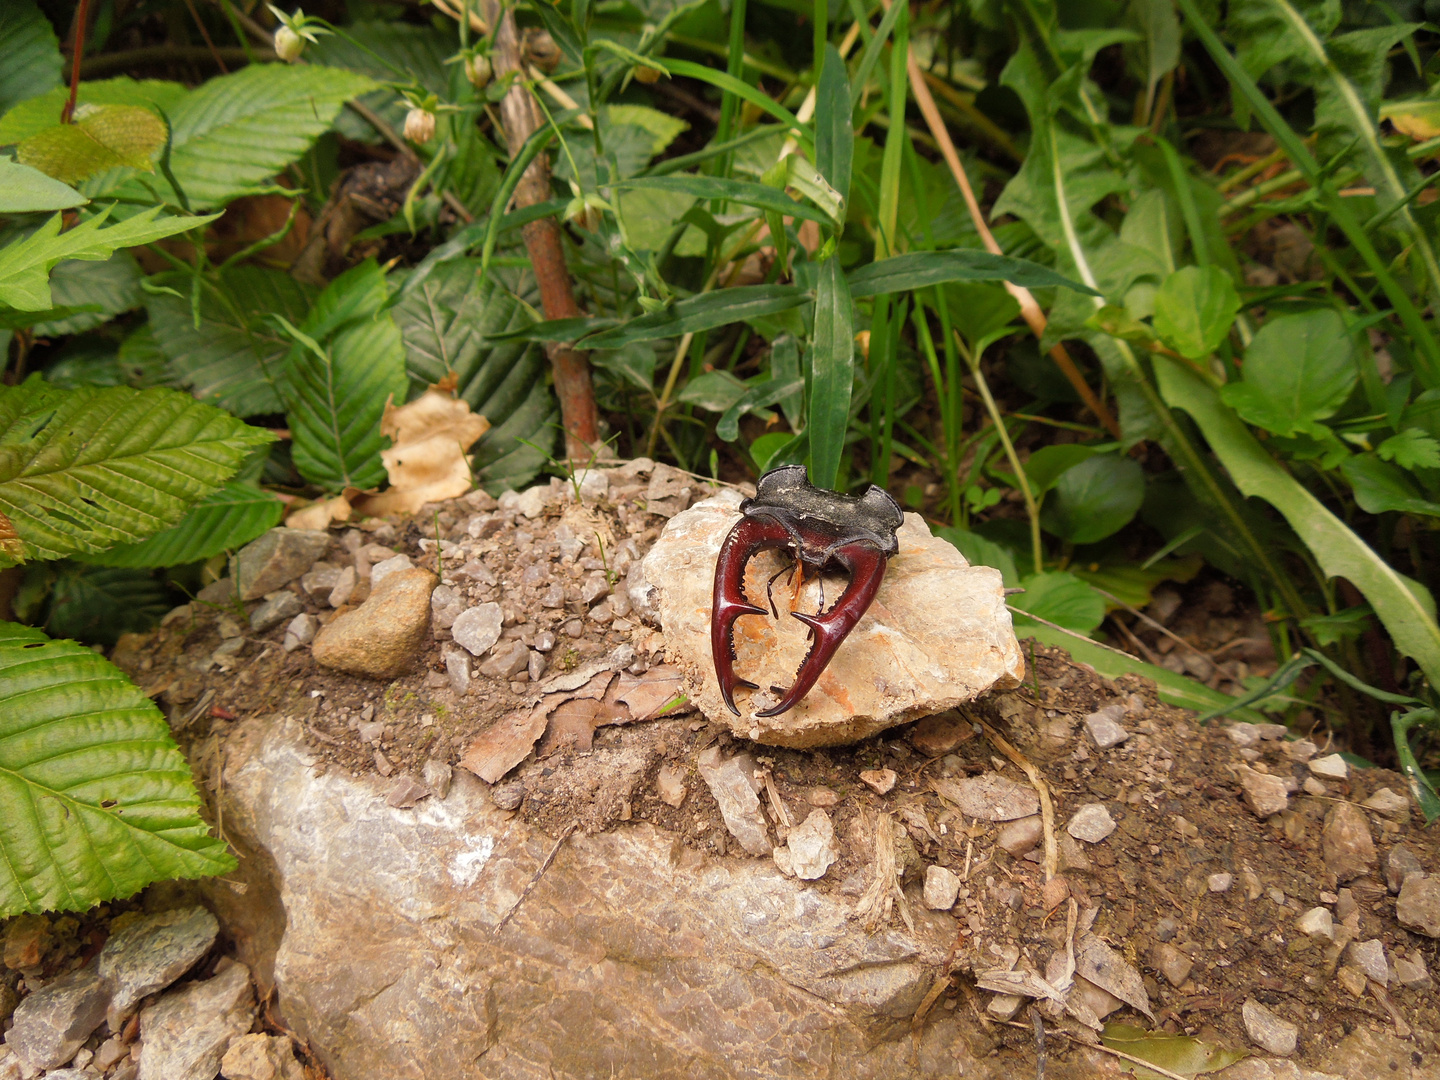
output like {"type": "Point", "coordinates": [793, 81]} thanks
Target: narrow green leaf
{"type": "Point", "coordinates": [703, 312]}
{"type": "Point", "coordinates": [84, 468]}
{"type": "Point", "coordinates": [1340, 553]}
{"type": "Point", "coordinates": [920, 269]}
{"type": "Point", "coordinates": [741, 191]}
{"type": "Point", "coordinates": [223, 521]}
{"type": "Point", "coordinates": [832, 373]}
{"type": "Point", "coordinates": [1183, 1054]}
{"type": "Point", "coordinates": [99, 799]}
{"type": "Point", "coordinates": [741, 89]}
{"type": "Point", "coordinates": [834, 132]}
{"type": "Point", "coordinates": [24, 190]}
{"type": "Point", "coordinates": [1194, 310]}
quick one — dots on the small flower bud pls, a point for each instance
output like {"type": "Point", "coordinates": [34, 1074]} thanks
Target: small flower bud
{"type": "Point", "coordinates": [477, 70]}
{"type": "Point", "coordinates": [646, 74]}
{"type": "Point", "coordinates": [420, 125]}
{"type": "Point", "coordinates": [288, 44]}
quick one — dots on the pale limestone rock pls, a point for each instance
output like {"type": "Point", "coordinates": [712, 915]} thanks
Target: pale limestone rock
{"type": "Point", "coordinates": [812, 846]}
{"type": "Point", "coordinates": [1317, 923]}
{"type": "Point", "coordinates": [1418, 906]}
{"type": "Point", "coordinates": [670, 785]}
{"type": "Point", "coordinates": [731, 782]}
{"type": "Point", "coordinates": [478, 628]}
{"type": "Point", "coordinates": [150, 953]}
{"type": "Point", "coordinates": [185, 1034]}
{"type": "Point", "coordinates": [937, 635]}
{"type": "Point", "coordinates": [1388, 802]}
{"type": "Point", "coordinates": [1268, 1031]}
{"type": "Point", "coordinates": [1104, 728]}
{"type": "Point", "coordinates": [275, 559]}
{"type": "Point", "coordinates": [1091, 823]}
{"type": "Point", "coordinates": [1329, 767]}
{"type": "Point", "coordinates": [261, 1057]}
{"type": "Point", "coordinates": [1345, 841]}
{"type": "Point", "coordinates": [1369, 957]}
{"type": "Point", "coordinates": [379, 638]}
{"type": "Point", "coordinates": [1265, 794]}
{"type": "Point", "coordinates": [942, 886]}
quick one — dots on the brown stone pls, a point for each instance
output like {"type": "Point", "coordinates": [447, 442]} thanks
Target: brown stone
{"type": "Point", "coordinates": [937, 735]}
{"type": "Point", "coordinates": [1349, 851]}
{"type": "Point", "coordinates": [380, 637]}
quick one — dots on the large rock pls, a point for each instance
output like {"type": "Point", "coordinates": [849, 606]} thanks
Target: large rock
{"type": "Point", "coordinates": [937, 635]}
{"type": "Point", "coordinates": [185, 1034]}
{"type": "Point", "coordinates": [52, 1023]}
{"type": "Point", "coordinates": [632, 952]}
{"type": "Point", "coordinates": [275, 559]}
{"type": "Point", "coordinates": [150, 953]}
{"type": "Point", "coordinates": [382, 635]}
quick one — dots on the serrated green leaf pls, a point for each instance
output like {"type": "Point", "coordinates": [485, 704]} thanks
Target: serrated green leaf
{"type": "Point", "coordinates": [235, 132]}
{"type": "Point", "coordinates": [99, 801]}
{"type": "Point", "coordinates": [1298, 370]}
{"type": "Point", "coordinates": [222, 521]}
{"type": "Point", "coordinates": [920, 269]}
{"type": "Point", "coordinates": [25, 266]}
{"type": "Point", "coordinates": [1059, 597]}
{"type": "Point", "coordinates": [96, 604]}
{"type": "Point", "coordinates": [105, 288]}
{"type": "Point", "coordinates": [32, 55]}
{"type": "Point", "coordinates": [446, 323]}
{"type": "Point", "coordinates": [43, 111]}
{"type": "Point", "coordinates": [1411, 449]}
{"type": "Point", "coordinates": [1195, 309]}
{"type": "Point", "coordinates": [347, 361]}
{"type": "Point", "coordinates": [832, 373]}
{"type": "Point", "coordinates": [24, 190]}
{"type": "Point", "coordinates": [235, 356]}
{"type": "Point", "coordinates": [84, 468]}
{"type": "Point", "coordinates": [101, 137]}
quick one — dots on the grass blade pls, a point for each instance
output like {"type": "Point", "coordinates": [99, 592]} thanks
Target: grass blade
{"type": "Point", "coordinates": [832, 378]}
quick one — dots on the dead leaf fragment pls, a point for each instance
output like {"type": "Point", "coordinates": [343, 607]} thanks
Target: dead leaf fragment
{"type": "Point", "coordinates": [506, 742]}
{"type": "Point", "coordinates": [660, 691]}
{"type": "Point", "coordinates": [319, 515]}
{"type": "Point", "coordinates": [426, 460]}
{"type": "Point", "coordinates": [11, 546]}
{"type": "Point", "coordinates": [1107, 969]}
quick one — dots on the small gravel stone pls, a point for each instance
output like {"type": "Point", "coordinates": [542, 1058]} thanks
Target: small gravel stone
{"type": "Point", "coordinates": [1352, 979]}
{"type": "Point", "coordinates": [301, 631]}
{"type": "Point", "coordinates": [1104, 729]}
{"type": "Point", "coordinates": [594, 485]}
{"type": "Point", "coordinates": [508, 796]}
{"type": "Point", "coordinates": [812, 847]}
{"type": "Point", "coordinates": [1390, 803]}
{"type": "Point", "coordinates": [320, 579]}
{"type": "Point", "coordinates": [1418, 907]}
{"type": "Point", "coordinates": [186, 1033]}
{"type": "Point", "coordinates": [1264, 794]}
{"type": "Point", "coordinates": [1272, 732]}
{"type": "Point", "coordinates": [1268, 1031]}
{"type": "Point", "coordinates": [261, 1057]}
{"type": "Point", "coordinates": [381, 570]}
{"type": "Point", "coordinates": [275, 559]}
{"type": "Point", "coordinates": [344, 587]}
{"type": "Point", "coordinates": [507, 662]}
{"type": "Point", "coordinates": [457, 667]}
{"type": "Point", "coordinates": [1345, 841]}
{"type": "Point", "coordinates": [1313, 787]}
{"type": "Point", "coordinates": [729, 780]}
{"type": "Point", "coordinates": [446, 604]}
{"type": "Point", "coordinates": [1243, 735]}
{"type": "Point", "coordinates": [406, 793]}
{"type": "Point", "coordinates": [477, 629]}
{"type": "Point", "coordinates": [1022, 836]}
{"type": "Point", "coordinates": [1166, 929]}
{"type": "Point", "coordinates": [1369, 957]}
{"type": "Point", "coordinates": [273, 612]}
{"type": "Point", "coordinates": [1003, 1007]}
{"type": "Point", "coordinates": [1221, 882]}
{"type": "Point", "coordinates": [1330, 767]}
{"type": "Point", "coordinates": [53, 1022]}
{"type": "Point", "coordinates": [1317, 923]}
{"type": "Point", "coordinates": [1091, 823]}
{"type": "Point", "coordinates": [545, 641]}
{"type": "Point", "coordinates": [379, 638]}
{"type": "Point", "coordinates": [821, 796]}
{"type": "Point", "coordinates": [670, 785]}
{"type": "Point", "coordinates": [1412, 973]}
{"type": "Point", "coordinates": [990, 797]}
{"type": "Point", "coordinates": [1400, 863]}
{"type": "Point", "coordinates": [1171, 963]}
{"type": "Point", "coordinates": [1345, 904]}
{"type": "Point", "coordinates": [881, 781]}
{"type": "Point", "coordinates": [438, 776]}
{"type": "Point", "coordinates": [535, 666]}
{"type": "Point", "coordinates": [937, 735]}
{"type": "Point", "coordinates": [532, 501]}
{"type": "Point", "coordinates": [1301, 750]}
{"type": "Point", "coordinates": [594, 588]}
{"type": "Point", "coordinates": [942, 887]}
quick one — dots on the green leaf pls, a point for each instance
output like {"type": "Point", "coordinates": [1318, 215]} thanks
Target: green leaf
{"type": "Point", "coordinates": [43, 111]}
{"type": "Point", "coordinates": [1094, 499]}
{"type": "Point", "coordinates": [703, 312]}
{"type": "Point", "coordinates": [1184, 1054]}
{"type": "Point", "coordinates": [1194, 310]}
{"type": "Point", "coordinates": [920, 269]}
{"type": "Point", "coordinates": [96, 604]}
{"type": "Point", "coordinates": [25, 266]}
{"type": "Point", "coordinates": [1380, 487]}
{"type": "Point", "coordinates": [740, 191]}
{"type": "Point", "coordinates": [24, 190]}
{"type": "Point", "coordinates": [388, 52]}
{"type": "Point", "coordinates": [235, 356]}
{"type": "Point", "coordinates": [834, 133]}
{"type": "Point", "coordinates": [1344, 625]}
{"type": "Point", "coordinates": [1298, 370]}
{"type": "Point", "coordinates": [106, 288]}
{"type": "Point", "coordinates": [832, 373]}
{"type": "Point", "coordinates": [1059, 597]}
{"type": "Point", "coordinates": [32, 55]}
{"type": "Point", "coordinates": [981, 551]}
{"type": "Point", "coordinates": [84, 468]}
{"type": "Point", "coordinates": [1411, 449]}
{"type": "Point", "coordinates": [715, 391]}
{"type": "Point", "coordinates": [1406, 615]}
{"type": "Point", "coordinates": [1048, 463]}
{"type": "Point", "coordinates": [743, 90]}
{"type": "Point", "coordinates": [347, 361]}
{"type": "Point", "coordinates": [756, 398]}
{"type": "Point", "coordinates": [101, 137]}
{"type": "Point", "coordinates": [632, 134]}
{"type": "Point", "coordinates": [447, 322]}
{"type": "Point", "coordinates": [234, 133]}
{"type": "Point", "coordinates": [99, 799]}
{"type": "Point", "coordinates": [222, 521]}
{"type": "Point", "coordinates": [770, 450]}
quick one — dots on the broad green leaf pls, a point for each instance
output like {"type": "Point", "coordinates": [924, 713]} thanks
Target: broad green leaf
{"type": "Point", "coordinates": [43, 111]}
{"type": "Point", "coordinates": [633, 134]}
{"type": "Point", "coordinates": [446, 322]}
{"type": "Point", "coordinates": [703, 312]}
{"type": "Point", "coordinates": [739, 191]}
{"type": "Point", "coordinates": [1158, 50]}
{"type": "Point", "coordinates": [1298, 370]}
{"type": "Point", "coordinates": [832, 373]}
{"type": "Point", "coordinates": [1059, 597]}
{"type": "Point", "coordinates": [772, 450]}
{"type": "Point", "coordinates": [920, 269]}
{"type": "Point", "coordinates": [100, 800]}
{"type": "Point", "coordinates": [1420, 119]}
{"type": "Point", "coordinates": [1184, 1054]}
{"type": "Point", "coordinates": [715, 391]}
{"type": "Point", "coordinates": [222, 521]}
{"type": "Point", "coordinates": [32, 55]}
{"type": "Point", "coordinates": [1048, 463]}
{"type": "Point", "coordinates": [108, 288]}
{"type": "Point", "coordinates": [82, 469]}
{"type": "Point", "coordinates": [1409, 620]}
{"type": "Point", "coordinates": [834, 133]}
{"type": "Point", "coordinates": [1194, 310]}
{"type": "Point", "coordinates": [347, 361]}
{"type": "Point", "coordinates": [96, 604]}
{"type": "Point", "coordinates": [24, 190]}
{"type": "Point", "coordinates": [234, 133]}
{"type": "Point", "coordinates": [1094, 499]}
{"type": "Point", "coordinates": [234, 358]}
{"type": "Point", "coordinates": [982, 551]}
{"type": "Point", "coordinates": [650, 214]}
{"type": "Point", "coordinates": [1380, 487]}
{"type": "Point", "coordinates": [1132, 583]}
{"type": "Point", "coordinates": [102, 137]}
{"type": "Point", "coordinates": [25, 266]}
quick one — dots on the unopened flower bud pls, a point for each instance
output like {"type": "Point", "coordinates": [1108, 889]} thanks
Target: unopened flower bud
{"type": "Point", "coordinates": [646, 74]}
{"type": "Point", "coordinates": [477, 70]}
{"type": "Point", "coordinates": [288, 44]}
{"type": "Point", "coordinates": [420, 125]}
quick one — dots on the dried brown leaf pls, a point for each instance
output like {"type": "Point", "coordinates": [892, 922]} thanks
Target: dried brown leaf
{"type": "Point", "coordinates": [10, 543]}
{"type": "Point", "coordinates": [426, 461]}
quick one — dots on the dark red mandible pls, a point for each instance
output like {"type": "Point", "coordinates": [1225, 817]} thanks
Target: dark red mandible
{"type": "Point", "coordinates": [822, 531]}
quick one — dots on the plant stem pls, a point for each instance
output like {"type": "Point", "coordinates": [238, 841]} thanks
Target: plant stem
{"type": "Point", "coordinates": [77, 58]}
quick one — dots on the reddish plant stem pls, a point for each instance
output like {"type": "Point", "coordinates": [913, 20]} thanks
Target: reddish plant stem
{"type": "Point", "coordinates": [521, 117]}
{"type": "Point", "coordinates": [76, 58]}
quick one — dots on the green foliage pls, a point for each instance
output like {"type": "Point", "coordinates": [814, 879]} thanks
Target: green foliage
{"type": "Point", "coordinates": [1094, 499]}
{"type": "Point", "coordinates": [31, 52]}
{"type": "Point", "coordinates": [99, 603]}
{"type": "Point", "coordinates": [225, 520]}
{"type": "Point", "coordinates": [1061, 598]}
{"type": "Point", "coordinates": [1194, 310]}
{"type": "Point", "coordinates": [1298, 370]}
{"type": "Point", "coordinates": [102, 137]}
{"type": "Point", "coordinates": [24, 190]}
{"type": "Point", "coordinates": [99, 799]}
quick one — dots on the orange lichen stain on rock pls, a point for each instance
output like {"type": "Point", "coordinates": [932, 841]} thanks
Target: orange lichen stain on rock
{"type": "Point", "coordinates": [834, 689]}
